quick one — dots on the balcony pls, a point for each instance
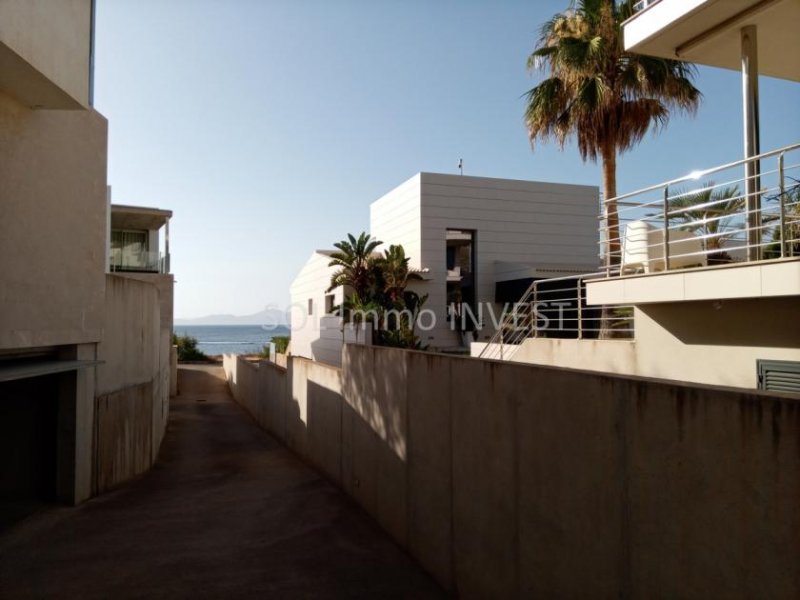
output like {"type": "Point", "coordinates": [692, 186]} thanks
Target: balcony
{"type": "Point", "coordinates": [643, 5]}
{"type": "Point", "coordinates": [714, 234]}
{"type": "Point", "coordinates": [135, 239]}
{"type": "Point", "coordinates": [138, 262]}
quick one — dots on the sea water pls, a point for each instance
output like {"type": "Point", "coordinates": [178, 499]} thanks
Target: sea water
{"type": "Point", "coordinates": [235, 339]}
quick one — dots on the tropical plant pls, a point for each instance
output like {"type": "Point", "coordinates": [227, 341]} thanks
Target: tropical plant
{"type": "Point", "coordinates": [791, 229]}
{"type": "Point", "coordinates": [375, 290]}
{"type": "Point", "coordinates": [360, 310]}
{"type": "Point", "coordinates": [605, 98]}
{"type": "Point", "coordinates": [712, 213]}
{"type": "Point", "coordinates": [393, 274]}
{"type": "Point", "coordinates": [356, 264]}
{"type": "Point", "coordinates": [281, 343]}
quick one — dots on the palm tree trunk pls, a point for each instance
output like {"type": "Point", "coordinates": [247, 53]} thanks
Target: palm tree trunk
{"type": "Point", "coordinates": [612, 258]}
{"type": "Point", "coordinates": [613, 255]}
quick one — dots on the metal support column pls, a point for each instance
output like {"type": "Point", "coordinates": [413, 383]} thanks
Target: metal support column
{"type": "Point", "coordinates": [749, 43]}
{"type": "Point", "coordinates": [167, 266]}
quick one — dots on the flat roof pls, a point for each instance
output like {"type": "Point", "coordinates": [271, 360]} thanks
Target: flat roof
{"type": "Point", "coordinates": [124, 216]}
{"type": "Point", "coordinates": [707, 32]}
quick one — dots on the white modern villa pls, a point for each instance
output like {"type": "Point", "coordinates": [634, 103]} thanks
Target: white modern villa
{"type": "Point", "coordinates": [475, 241]}
{"type": "Point", "coordinates": [709, 272]}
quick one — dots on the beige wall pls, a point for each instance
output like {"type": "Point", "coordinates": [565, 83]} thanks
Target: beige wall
{"type": "Point", "coordinates": [44, 51]}
{"type": "Point", "coordinates": [510, 480]}
{"type": "Point", "coordinates": [133, 382]}
{"type": "Point", "coordinates": [52, 234]}
{"type": "Point", "coordinates": [717, 343]}
{"type": "Point", "coordinates": [165, 284]}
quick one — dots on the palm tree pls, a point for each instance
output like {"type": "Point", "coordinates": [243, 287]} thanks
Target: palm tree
{"type": "Point", "coordinates": [395, 274]}
{"type": "Point", "coordinates": [604, 97]}
{"type": "Point", "coordinates": [356, 261]}
{"type": "Point", "coordinates": [711, 212]}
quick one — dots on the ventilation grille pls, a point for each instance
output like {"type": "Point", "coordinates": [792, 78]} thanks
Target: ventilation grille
{"type": "Point", "coordinates": [779, 376]}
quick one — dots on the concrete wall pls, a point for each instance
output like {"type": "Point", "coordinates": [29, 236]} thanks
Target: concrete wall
{"type": "Point", "coordinates": [301, 404]}
{"type": "Point", "coordinates": [44, 51]}
{"type": "Point", "coordinates": [133, 383]}
{"type": "Point", "coordinates": [52, 234]}
{"type": "Point", "coordinates": [716, 343]}
{"type": "Point", "coordinates": [509, 480]}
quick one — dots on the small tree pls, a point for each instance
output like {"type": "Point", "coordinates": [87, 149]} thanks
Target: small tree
{"type": "Point", "coordinates": [375, 290]}
{"type": "Point", "coordinates": [187, 348]}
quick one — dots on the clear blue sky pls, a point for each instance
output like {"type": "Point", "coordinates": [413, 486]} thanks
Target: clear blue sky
{"type": "Point", "coordinates": [269, 126]}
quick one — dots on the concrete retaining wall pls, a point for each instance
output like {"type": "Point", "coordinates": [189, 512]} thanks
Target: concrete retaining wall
{"type": "Point", "coordinates": [133, 383]}
{"type": "Point", "coordinates": [715, 343]}
{"type": "Point", "coordinates": [511, 480]}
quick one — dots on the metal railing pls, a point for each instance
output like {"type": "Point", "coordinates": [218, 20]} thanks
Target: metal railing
{"type": "Point", "coordinates": [141, 262]}
{"type": "Point", "coordinates": [712, 217]}
{"type": "Point", "coordinates": [643, 4]}
{"type": "Point", "coordinates": [556, 308]}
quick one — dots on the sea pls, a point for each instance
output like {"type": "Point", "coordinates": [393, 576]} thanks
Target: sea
{"type": "Point", "coordinates": [231, 339]}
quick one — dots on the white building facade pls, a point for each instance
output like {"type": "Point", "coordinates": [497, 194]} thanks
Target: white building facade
{"type": "Point", "coordinates": [474, 240]}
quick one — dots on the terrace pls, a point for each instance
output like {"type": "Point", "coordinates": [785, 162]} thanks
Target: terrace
{"type": "Point", "coordinates": [134, 239]}
{"type": "Point", "coordinates": [711, 235]}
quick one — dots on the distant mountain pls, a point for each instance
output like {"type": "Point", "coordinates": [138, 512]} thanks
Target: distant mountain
{"type": "Point", "coordinates": [268, 316]}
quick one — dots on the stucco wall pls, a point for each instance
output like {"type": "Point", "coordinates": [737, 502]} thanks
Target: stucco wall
{"type": "Point", "coordinates": [133, 382]}
{"type": "Point", "coordinates": [717, 343]}
{"type": "Point", "coordinates": [50, 42]}
{"type": "Point", "coordinates": [52, 233]}
{"type": "Point", "coordinates": [508, 480]}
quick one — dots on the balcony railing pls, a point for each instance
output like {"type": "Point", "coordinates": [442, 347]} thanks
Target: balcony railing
{"type": "Point", "coordinates": [643, 4]}
{"type": "Point", "coordinates": [139, 262]}
{"type": "Point", "coordinates": [713, 217]}
{"type": "Point", "coordinates": [556, 308]}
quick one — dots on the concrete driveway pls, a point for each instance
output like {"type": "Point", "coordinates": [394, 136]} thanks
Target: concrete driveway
{"type": "Point", "coordinates": [226, 512]}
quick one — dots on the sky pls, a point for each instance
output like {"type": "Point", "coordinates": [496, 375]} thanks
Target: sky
{"type": "Point", "coordinates": [269, 126]}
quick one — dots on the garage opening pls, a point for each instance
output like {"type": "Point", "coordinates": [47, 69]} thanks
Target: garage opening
{"type": "Point", "coordinates": [28, 446]}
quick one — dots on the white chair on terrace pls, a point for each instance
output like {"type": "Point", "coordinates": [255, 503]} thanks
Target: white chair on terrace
{"type": "Point", "coordinates": [643, 249]}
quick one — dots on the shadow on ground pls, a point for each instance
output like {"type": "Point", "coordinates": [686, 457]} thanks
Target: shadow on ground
{"type": "Point", "coordinates": [226, 512]}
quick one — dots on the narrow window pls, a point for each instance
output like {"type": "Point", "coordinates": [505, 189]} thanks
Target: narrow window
{"type": "Point", "coordinates": [329, 304]}
{"type": "Point", "coordinates": [310, 306]}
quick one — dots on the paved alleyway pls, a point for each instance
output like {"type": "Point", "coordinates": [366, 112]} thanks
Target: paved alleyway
{"type": "Point", "coordinates": [227, 512]}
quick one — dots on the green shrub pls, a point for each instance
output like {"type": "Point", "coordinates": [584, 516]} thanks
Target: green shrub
{"type": "Point", "coordinates": [281, 343]}
{"type": "Point", "coordinates": [187, 348]}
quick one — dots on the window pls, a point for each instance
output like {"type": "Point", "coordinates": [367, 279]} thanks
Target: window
{"type": "Point", "coordinates": [460, 261]}
{"type": "Point", "coordinates": [310, 306]}
{"type": "Point", "coordinates": [330, 304]}
{"type": "Point", "coordinates": [129, 249]}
